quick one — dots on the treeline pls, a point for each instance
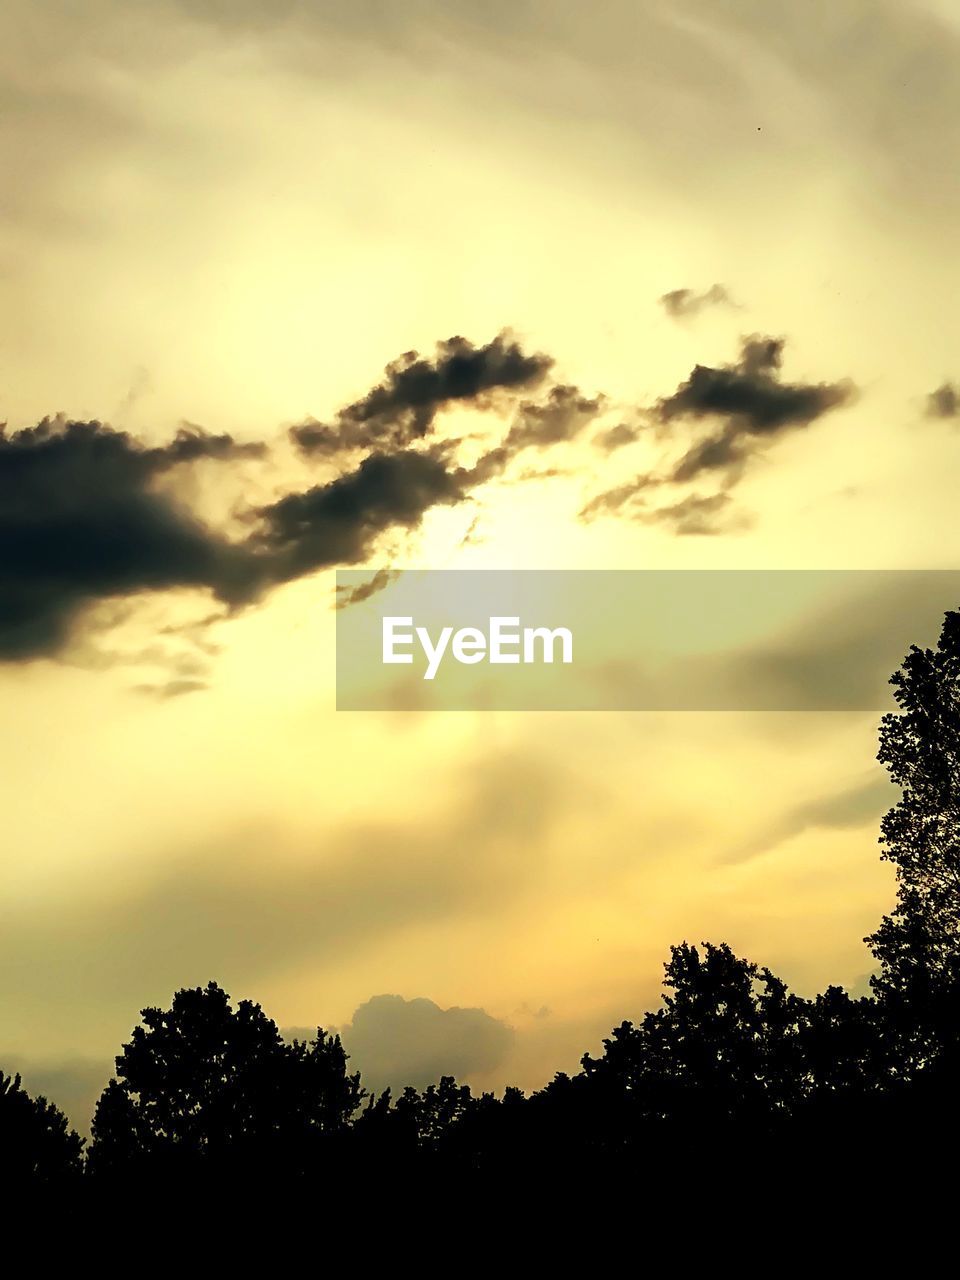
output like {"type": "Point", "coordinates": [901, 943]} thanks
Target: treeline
{"type": "Point", "coordinates": [732, 1067]}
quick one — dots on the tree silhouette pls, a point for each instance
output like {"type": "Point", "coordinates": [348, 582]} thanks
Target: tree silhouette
{"type": "Point", "coordinates": [205, 1085]}
{"type": "Point", "coordinates": [724, 1046]}
{"type": "Point", "coordinates": [731, 1065]}
{"type": "Point", "coordinates": [920, 835]}
{"type": "Point", "coordinates": [431, 1114]}
{"type": "Point", "coordinates": [36, 1143]}
{"type": "Point", "coordinates": [918, 943]}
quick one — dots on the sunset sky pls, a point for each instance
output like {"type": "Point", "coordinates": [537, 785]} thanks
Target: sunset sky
{"type": "Point", "coordinates": [692, 271]}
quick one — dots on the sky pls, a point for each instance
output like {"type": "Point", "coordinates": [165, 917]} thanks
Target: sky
{"type": "Point", "coordinates": [681, 281]}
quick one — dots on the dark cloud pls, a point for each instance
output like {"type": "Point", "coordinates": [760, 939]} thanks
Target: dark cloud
{"type": "Point", "coordinates": [542, 473]}
{"type": "Point", "coordinates": [560, 418]}
{"type": "Point", "coordinates": [87, 517]}
{"type": "Point", "coordinates": [751, 406]}
{"type": "Point", "coordinates": [318, 438]}
{"type": "Point", "coordinates": [682, 304]}
{"type": "Point", "coordinates": [338, 522]}
{"type": "Point", "coordinates": [84, 519]}
{"type": "Point", "coordinates": [172, 688]}
{"type": "Point", "coordinates": [944, 402]}
{"type": "Point", "coordinates": [750, 402]}
{"type": "Point", "coordinates": [627, 495]}
{"type": "Point", "coordinates": [402, 407]}
{"type": "Point", "coordinates": [696, 514]}
{"type": "Point", "coordinates": [472, 537]}
{"type": "Point", "coordinates": [616, 437]}
{"type": "Point", "coordinates": [701, 514]}
{"type": "Point", "coordinates": [395, 1042]}
{"type": "Point", "coordinates": [725, 452]}
{"type": "Point", "coordinates": [347, 596]}
{"type": "Point", "coordinates": [81, 519]}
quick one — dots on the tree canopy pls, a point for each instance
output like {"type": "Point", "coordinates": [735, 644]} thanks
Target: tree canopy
{"type": "Point", "coordinates": [202, 1083]}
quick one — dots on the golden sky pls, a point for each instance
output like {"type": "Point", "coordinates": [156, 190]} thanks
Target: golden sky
{"type": "Point", "coordinates": [235, 216]}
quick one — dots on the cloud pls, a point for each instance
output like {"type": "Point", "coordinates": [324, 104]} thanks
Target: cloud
{"type": "Point", "coordinates": [855, 806]}
{"type": "Point", "coordinates": [751, 407]}
{"type": "Point", "coordinates": [339, 522]}
{"type": "Point", "coordinates": [881, 71]}
{"type": "Point", "coordinates": [683, 304]}
{"type": "Point", "coordinates": [617, 437]}
{"type": "Point", "coordinates": [84, 518]}
{"type": "Point", "coordinates": [402, 407]}
{"type": "Point", "coordinates": [81, 519]}
{"type": "Point", "coordinates": [944, 402]}
{"type": "Point", "coordinates": [695, 514]}
{"type": "Point", "coordinates": [840, 653]}
{"type": "Point", "coordinates": [221, 910]}
{"type": "Point", "coordinates": [172, 688]}
{"type": "Point", "coordinates": [560, 418]}
{"type": "Point", "coordinates": [776, 641]}
{"type": "Point", "coordinates": [395, 1042]}
{"type": "Point", "coordinates": [750, 402]}
{"type": "Point", "coordinates": [347, 596]}
{"type": "Point", "coordinates": [87, 515]}
{"type": "Point", "coordinates": [629, 494]}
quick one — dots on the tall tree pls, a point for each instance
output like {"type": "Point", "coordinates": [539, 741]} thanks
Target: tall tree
{"type": "Point", "coordinates": [918, 943]}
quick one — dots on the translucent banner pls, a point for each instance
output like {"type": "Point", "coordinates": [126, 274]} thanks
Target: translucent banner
{"type": "Point", "coordinates": [631, 640]}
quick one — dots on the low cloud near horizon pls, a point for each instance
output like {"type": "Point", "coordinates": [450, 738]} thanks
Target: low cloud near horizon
{"type": "Point", "coordinates": [394, 1042]}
